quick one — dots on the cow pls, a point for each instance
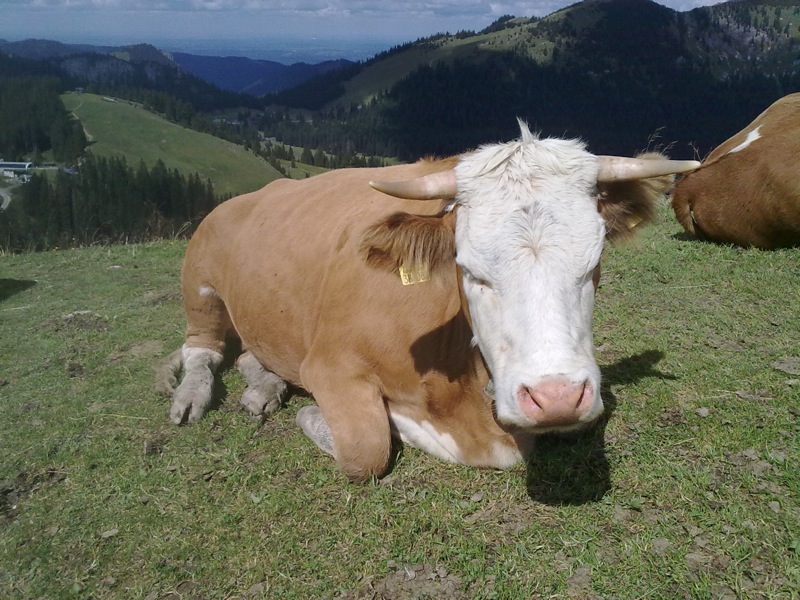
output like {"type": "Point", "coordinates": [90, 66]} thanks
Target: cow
{"type": "Point", "coordinates": [447, 303]}
{"type": "Point", "coordinates": [747, 191]}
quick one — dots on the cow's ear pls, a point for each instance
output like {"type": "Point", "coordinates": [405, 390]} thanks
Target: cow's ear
{"type": "Point", "coordinates": [414, 247]}
{"type": "Point", "coordinates": [625, 205]}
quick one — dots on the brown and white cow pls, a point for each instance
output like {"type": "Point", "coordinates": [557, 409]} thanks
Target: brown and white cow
{"type": "Point", "coordinates": [461, 324]}
{"type": "Point", "coordinates": [747, 192]}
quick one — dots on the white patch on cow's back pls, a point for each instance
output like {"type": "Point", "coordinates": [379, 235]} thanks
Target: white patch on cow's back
{"type": "Point", "coordinates": [425, 437]}
{"type": "Point", "coordinates": [751, 137]}
{"type": "Point", "coordinates": [207, 290]}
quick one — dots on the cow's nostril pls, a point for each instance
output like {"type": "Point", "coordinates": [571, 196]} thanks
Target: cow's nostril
{"type": "Point", "coordinates": [557, 401]}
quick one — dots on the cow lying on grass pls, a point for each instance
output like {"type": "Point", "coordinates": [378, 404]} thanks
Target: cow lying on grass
{"type": "Point", "coordinates": [455, 315]}
{"type": "Point", "coordinates": [747, 192]}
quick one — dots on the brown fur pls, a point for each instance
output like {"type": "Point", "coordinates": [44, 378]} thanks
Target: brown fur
{"type": "Point", "coordinates": [413, 241]}
{"type": "Point", "coordinates": [750, 197]}
{"type": "Point", "coordinates": [625, 205]}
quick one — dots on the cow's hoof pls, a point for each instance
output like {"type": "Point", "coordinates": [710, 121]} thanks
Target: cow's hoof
{"type": "Point", "coordinates": [185, 411]}
{"type": "Point", "coordinates": [177, 413]}
{"type": "Point", "coordinates": [313, 424]}
{"type": "Point", "coordinates": [259, 403]}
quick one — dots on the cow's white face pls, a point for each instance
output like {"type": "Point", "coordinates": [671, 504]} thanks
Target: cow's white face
{"type": "Point", "coordinates": [528, 239]}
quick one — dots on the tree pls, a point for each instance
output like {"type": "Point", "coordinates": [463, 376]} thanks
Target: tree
{"type": "Point", "coordinates": [306, 156]}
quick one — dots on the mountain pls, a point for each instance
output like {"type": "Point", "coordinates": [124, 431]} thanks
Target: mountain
{"type": "Point", "coordinates": [230, 73]}
{"type": "Point", "coordinates": [621, 74]}
{"type": "Point", "coordinates": [43, 49]}
{"type": "Point", "coordinates": [603, 37]}
{"type": "Point", "coordinates": [249, 76]}
{"type": "Point", "coordinates": [139, 72]}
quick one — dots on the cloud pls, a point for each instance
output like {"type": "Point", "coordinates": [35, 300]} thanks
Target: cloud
{"type": "Point", "coordinates": [407, 8]}
{"type": "Point", "coordinates": [144, 20]}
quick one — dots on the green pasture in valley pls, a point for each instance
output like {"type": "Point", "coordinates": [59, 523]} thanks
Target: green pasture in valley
{"type": "Point", "coordinates": [119, 127]}
{"type": "Point", "coordinates": [689, 488]}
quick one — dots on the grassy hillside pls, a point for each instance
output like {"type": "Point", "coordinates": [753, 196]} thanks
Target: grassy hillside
{"type": "Point", "coordinates": [601, 35]}
{"type": "Point", "coordinates": [690, 489]}
{"type": "Point", "coordinates": [124, 128]}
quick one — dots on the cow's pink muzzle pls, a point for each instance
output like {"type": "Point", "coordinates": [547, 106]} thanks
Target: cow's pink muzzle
{"type": "Point", "coordinates": [557, 402]}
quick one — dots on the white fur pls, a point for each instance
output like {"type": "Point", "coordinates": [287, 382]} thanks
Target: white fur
{"type": "Point", "coordinates": [528, 237]}
{"type": "Point", "coordinates": [207, 290]}
{"type": "Point", "coordinates": [752, 136]}
{"type": "Point", "coordinates": [425, 437]}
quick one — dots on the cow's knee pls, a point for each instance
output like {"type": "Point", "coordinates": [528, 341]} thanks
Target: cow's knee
{"type": "Point", "coordinates": [366, 461]}
{"type": "Point", "coordinates": [193, 396]}
{"type": "Point", "coordinates": [361, 450]}
{"type": "Point", "coordinates": [363, 445]}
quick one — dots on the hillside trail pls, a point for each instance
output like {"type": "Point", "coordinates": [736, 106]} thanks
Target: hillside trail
{"type": "Point", "coordinates": [5, 194]}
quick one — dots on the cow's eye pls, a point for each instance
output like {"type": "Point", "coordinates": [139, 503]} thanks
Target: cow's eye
{"type": "Point", "coordinates": [476, 280]}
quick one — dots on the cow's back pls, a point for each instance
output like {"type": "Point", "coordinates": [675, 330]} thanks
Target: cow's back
{"type": "Point", "coordinates": [747, 191]}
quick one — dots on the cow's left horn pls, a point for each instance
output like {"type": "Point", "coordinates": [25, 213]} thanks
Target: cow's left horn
{"type": "Point", "coordinates": [428, 187]}
{"type": "Point", "coordinates": [618, 168]}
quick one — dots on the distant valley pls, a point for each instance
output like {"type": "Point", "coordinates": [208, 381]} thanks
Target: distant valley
{"type": "Point", "coordinates": [231, 73]}
{"type": "Point", "coordinates": [253, 77]}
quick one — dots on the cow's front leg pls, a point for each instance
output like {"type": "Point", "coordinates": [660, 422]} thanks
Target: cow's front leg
{"type": "Point", "coordinates": [193, 395]}
{"type": "Point", "coordinates": [351, 423]}
{"type": "Point", "coordinates": [265, 390]}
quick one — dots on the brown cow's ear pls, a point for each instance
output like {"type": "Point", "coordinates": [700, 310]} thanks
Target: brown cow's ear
{"type": "Point", "coordinates": [413, 247]}
{"type": "Point", "coordinates": [625, 205]}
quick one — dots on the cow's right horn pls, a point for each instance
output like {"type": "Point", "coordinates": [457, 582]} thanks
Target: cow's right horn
{"type": "Point", "coordinates": [618, 168]}
{"type": "Point", "coordinates": [440, 185]}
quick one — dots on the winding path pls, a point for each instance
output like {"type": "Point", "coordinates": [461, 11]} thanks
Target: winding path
{"type": "Point", "coordinates": [5, 193]}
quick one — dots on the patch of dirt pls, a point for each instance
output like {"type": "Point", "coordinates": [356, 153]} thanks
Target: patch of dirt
{"type": "Point", "coordinates": [12, 491]}
{"type": "Point", "coordinates": [74, 369]}
{"type": "Point", "coordinates": [510, 520]}
{"type": "Point", "coordinates": [154, 445]}
{"type": "Point", "coordinates": [720, 343]}
{"type": "Point", "coordinates": [183, 591]}
{"type": "Point", "coordinates": [757, 396]}
{"type": "Point", "coordinates": [411, 582]}
{"type": "Point", "coordinates": [673, 416]}
{"type": "Point", "coordinates": [750, 460]}
{"type": "Point", "coordinates": [789, 365]}
{"type": "Point", "coordinates": [81, 320]}
{"type": "Point", "coordinates": [146, 349]}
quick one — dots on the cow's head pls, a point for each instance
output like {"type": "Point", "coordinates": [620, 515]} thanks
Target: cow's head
{"type": "Point", "coordinates": [531, 218]}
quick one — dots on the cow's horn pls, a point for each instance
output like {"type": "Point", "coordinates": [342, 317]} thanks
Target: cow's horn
{"type": "Point", "coordinates": [618, 168]}
{"type": "Point", "coordinates": [428, 187]}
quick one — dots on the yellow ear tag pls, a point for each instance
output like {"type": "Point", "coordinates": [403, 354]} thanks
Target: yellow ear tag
{"type": "Point", "coordinates": [418, 274]}
{"type": "Point", "coordinates": [633, 222]}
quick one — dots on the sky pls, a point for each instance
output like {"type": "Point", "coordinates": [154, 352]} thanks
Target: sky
{"type": "Point", "coordinates": [117, 22]}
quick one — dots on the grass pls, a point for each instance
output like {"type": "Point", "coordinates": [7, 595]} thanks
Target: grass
{"type": "Point", "coordinates": [124, 128]}
{"type": "Point", "coordinates": [690, 488]}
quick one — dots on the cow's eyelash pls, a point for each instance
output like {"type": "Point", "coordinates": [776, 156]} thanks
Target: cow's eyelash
{"type": "Point", "coordinates": [477, 280]}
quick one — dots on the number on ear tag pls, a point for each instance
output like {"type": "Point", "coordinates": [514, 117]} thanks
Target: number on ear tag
{"type": "Point", "coordinates": [418, 274]}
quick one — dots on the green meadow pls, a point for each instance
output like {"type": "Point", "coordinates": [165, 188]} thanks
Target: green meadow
{"type": "Point", "coordinates": [118, 127]}
{"type": "Point", "coordinates": [689, 488]}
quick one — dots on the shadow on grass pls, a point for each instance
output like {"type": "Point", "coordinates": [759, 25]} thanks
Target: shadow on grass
{"type": "Point", "coordinates": [685, 236]}
{"type": "Point", "coordinates": [573, 469]}
{"type": "Point", "coordinates": [11, 287]}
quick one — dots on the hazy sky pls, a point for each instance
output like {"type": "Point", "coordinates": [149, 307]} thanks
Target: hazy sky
{"type": "Point", "coordinates": [132, 21]}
